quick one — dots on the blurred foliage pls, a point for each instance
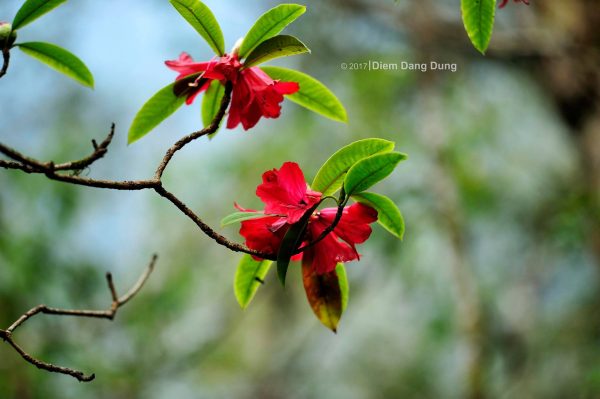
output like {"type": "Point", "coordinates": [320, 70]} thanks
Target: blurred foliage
{"type": "Point", "coordinates": [493, 292]}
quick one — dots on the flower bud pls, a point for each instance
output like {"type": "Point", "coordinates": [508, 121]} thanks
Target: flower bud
{"type": "Point", "coordinates": [236, 47]}
{"type": "Point", "coordinates": [7, 35]}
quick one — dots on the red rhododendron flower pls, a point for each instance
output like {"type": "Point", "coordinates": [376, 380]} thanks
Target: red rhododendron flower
{"type": "Point", "coordinates": [224, 68]}
{"type": "Point", "coordinates": [505, 2]}
{"type": "Point", "coordinates": [285, 192]}
{"type": "Point", "coordinates": [287, 198]}
{"type": "Point", "coordinates": [255, 94]}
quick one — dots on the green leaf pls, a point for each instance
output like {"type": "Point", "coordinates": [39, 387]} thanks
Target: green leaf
{"type": "Point", "coordinates": [59, 59]}
{"type": "Point", "coordinates": [291, 242]}
{"type": "Point", "coordinates": [330, 177]}
{"type": "Point", "coordinates": [388, 214]}
{"type": "Point", "coordinates": [324, 293]}
{"type": "Point", "coordinates": [162, 105]}
{"type": "Point", "coordinates": [249, 276]}
{"type": "Point", "coordinates": [478, 18]}
{"type": "Point", "coordinates": [32, 10]}
{"type": "Point", "coordinates": [275, 47]}
{"type": "Point", "coordinates": [240, 217]}
{"type": "Point", "coordinates": [371, 170]}
{"type": "Point", "coordinates": [340, 270]}
{"type": "Point", "coordinates": [313, 94]}
{"type": "Point", "coordinates": [270, 24]}
{"type": "Point", "coordinates": [211, 102]}
{"type": "Point", "coordinates": [203, 20]}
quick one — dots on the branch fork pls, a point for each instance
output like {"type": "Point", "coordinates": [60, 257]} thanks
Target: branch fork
{"type": "Point", "coordinates": [117, 303]}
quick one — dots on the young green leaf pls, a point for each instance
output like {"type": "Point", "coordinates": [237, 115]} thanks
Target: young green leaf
{"type": "Point", "coordinates": [324, 294]}
{"type": "Point", "coordinates": [388, 214]}
{"type": "Point", "coordinates": [270, 24]}
{"type": "Point", "coordinates": [291, 242]}
{"type": "Point", "coordinates": [211, 102]}
{"type": "Point", "coordinates": [313, 94]}
{"type": "Point", "coordinates": [59, 59]}
{"type": "Point", "coordinates": [275, 47]}
{"type": "Point", "coordinates": [340, 270]}
{"type": "Point", "coordinates": [330, 177]}
{"type": "Point", "coordinates": [478, 18]}
{"type": "Point", "coordinates": [238, 217]}
{"type": "Point", "coordinates": [203, 20]}
{"type": "Point", "coordinates": [162, 105]}
{"type": "Point", "coordinates": [32, 10]}
{"type": "Point", "coordinates": [371, 170]}
{"type": "Point", "coordinates": [249, 276]}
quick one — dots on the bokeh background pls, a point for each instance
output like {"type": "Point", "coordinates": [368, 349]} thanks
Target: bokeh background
{"type": "Point", "coordinates": [494, 292]}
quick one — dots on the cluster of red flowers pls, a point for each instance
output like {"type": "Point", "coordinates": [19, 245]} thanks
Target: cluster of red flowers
{"type": "Point", "coordinates": [505, 2]}
{"type": "Point", "coordinates": [287, 198]}
{"type": "Point", "coordinates": [254, 95]}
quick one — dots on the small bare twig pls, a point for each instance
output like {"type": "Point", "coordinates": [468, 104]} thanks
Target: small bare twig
{"type": "Point", "coordinates": [117, 302]}
{"type": "Point", "coordinates": [6, 57]}
{"type": "Point", "coordinates": [99, 151]}
{"type": "Point", "coordinates": [212, 128]}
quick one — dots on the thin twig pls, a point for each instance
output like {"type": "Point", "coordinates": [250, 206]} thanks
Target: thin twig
{"type": "Point", "coordinates": [212, 128]}
{"type": "Point", "coordinates": [117, 302]}
{"type": "Point", "coordinates": [207, 229]}
{"type": "Point", "coordinates": [99, 152]}
{"type": "Point", "coordinates": [6, 57]}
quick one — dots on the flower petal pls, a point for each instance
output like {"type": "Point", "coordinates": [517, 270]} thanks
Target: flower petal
{"type": "Point", "coordinates": [353, 227]}
{"type": "Point", "coordinates": [264, 234]}
{"type": "Point", "coordinates": [329, 251]}
{"type": "Point", "coordinates": [284, 192]}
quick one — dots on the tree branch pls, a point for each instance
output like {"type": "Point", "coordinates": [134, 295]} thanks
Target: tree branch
{"type": "Point", "coordinates": [50, 170]}
{"type": "Point", "coordinates": [117, 302]}
{"type": "Point", "coordinates": [207, 229]}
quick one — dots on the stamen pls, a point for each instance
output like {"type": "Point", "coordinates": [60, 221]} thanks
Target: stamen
{"type": "Point", "coordinates": [196, 82]}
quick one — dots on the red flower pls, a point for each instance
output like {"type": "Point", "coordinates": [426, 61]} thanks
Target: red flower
{"type": "Point", "coordinates": [254, 95]}
{"type": "Point", "coordinates": [286, 199]}
{"type": "Point", "coordinates": [224, 68]}
{"type": "Point", "coordinates": [504, 2]}
{"type": "Point", "coordinates": [285, 192]}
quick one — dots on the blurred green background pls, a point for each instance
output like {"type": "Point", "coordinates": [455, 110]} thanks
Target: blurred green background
{"type": "Point", "coordinates": [494, 292]}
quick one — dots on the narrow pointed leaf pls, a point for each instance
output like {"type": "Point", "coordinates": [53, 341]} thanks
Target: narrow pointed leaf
{"type": "Point", "coordinates": [275, 47]}
{"type": "Point", "coordinates": [211, 102]}
{"type": "Point", "coordinates": [290, 243]}
{"type": "Point", "coordinates": [270, 24]}
{"type": "Point", "coordinates": [324, 294]}
{"type": "Point", "coordinates": [238, 217]}
{"type": "Point", "coordinates": [32, 10]}
{"type": "Point", "coordinates": [340, 270]}
{"type": "Point", "coordinates": [249, 276]}
{"type": "Point", "coordinates": [330, 177]}
{"type": "Point", "coordinates": [59, 59]}
{"type": "Point", "coordinates": [203, 21]}
{"type": "Point", "coordinates": [478, 18]}
{"type": "Point", "coordinates": [388, 214]}
{"type": "Point", "coordinates": [371, 170]}
{"type": "Point", "coordinates": [312, 95]}
{"type": "Point", "coordinates": [158, 108]}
